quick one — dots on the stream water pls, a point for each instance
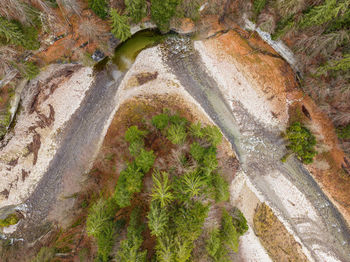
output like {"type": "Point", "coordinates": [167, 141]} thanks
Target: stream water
{"type": "Point", "coordinates": [259, 151]}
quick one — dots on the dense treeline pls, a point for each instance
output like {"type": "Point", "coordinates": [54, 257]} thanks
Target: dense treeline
{"type": "Point", "coordinates": [319, 33]}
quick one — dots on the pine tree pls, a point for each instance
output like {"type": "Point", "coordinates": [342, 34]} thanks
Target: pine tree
{"type": "Point", "coordinates": [120, 26]}
{"type": "Point", "coordinates": [162, 11]}
{"type": "Point", "coordinates": [324, 13]}
{"type": "Point", "coordinates": [100, 7]}
{"type": "Point", "coordinates": [10, 32]}
{"type": "Point", "coordinates": [136, 9]}
{"type": "Point", "coordinates": [336, 65]}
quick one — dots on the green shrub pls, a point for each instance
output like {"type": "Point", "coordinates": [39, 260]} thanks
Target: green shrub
{"type": "Point", "coordinates": [239, 221]}
{"type": "Point", "coordinates": [189, 220]}
{"type": "Point", "coordinates": [129, 182]}
{"type": "Point", "coordinates": [135, 147]}
{"type": "Point", "coordinates": [176, 134]}
{"type": "Point", "coordinates": [161, 190]}
{"type": "Point", "coordinates": [189, 186]}
{"type": "Point", "coordinates": [101, 226]}
{"type": "Point", "coordinates": [344, 132]}
{"type": "Point", "coordinates": [258, 6]}
{"type": "Point", "coordinates": [157, 219]}
{"type": "Point", "coordinates": [213, 135]}
{"type": "Point", "coordinates": [11, 32]}
{"type": "Point", "coordinates": [160, 121]}
{"type": "Point", "coordinates": [30, 38]}
{"type": "Point", "coordinates": [197, 152]}
{"type": "Point", "coordinates": [134, 134]}
{"type": "Point", "coordinates": [100, 7]}
{"type": "Point", "coordinates": [196, 130]}
{"type": "Point", "coordinates": [9, 220]}
{"type": "Point", "coordinates": [283, 26]}
{"type": "Point", "coordinates": [221, 188]}
{"type": "Point", "coordinates": [213, 243]}
{"type": "Point", "coordinates": [178, 120]}
{"type": "Point", "coordinates": [209, 163]}
{"type": "Point", "coordinates": [145, 160]}
{"type": "Point", "coordinates": [335, 65]}
{"type": "Point", "coordinates": [229, 233]}
{"type": "Point", "coordinates": [162, 11]}
{"type": "Point", "coordinates": [130, 248]}
{"type": "Point", "coordinates": [301, 142]}
{"type": "Point", "coordinates": [120, 25]}
{"type": "Point", "coordinates": [30, 70]}
{"type": "Point", "coordinates": [323, 13]}
{"type": "Point", "coordinates": [136, 9]}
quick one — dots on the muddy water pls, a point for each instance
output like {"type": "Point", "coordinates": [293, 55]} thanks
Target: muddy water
{"type": "Point", "coordinates": [259, 151]}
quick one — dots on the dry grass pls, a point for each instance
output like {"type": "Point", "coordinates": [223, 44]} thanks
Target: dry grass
{"type": "Point", "coordinates": [290, 7]}
{"type": "Point", "coordinates": [91, 29]}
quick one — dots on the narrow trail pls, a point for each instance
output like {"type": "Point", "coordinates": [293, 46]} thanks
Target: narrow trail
{"type": "Point", "coordinates": [259, 151]}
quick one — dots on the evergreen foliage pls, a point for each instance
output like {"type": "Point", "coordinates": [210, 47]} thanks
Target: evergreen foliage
{"type": "Point", "coordinates": [301, 142]}
{"type": "Point", "coordinates": [157, 219]}
{"type": "Point", "coordinates": [161, 188]}
{"type": "Point", "coordinates": [344, 132]}
{"type": "Point", "coordinates": [100, 225]}
{"type": "Point", "coordinates": [11, 32]}
{"type": "Point", "coordinates": [160, 121]}
{"type": "Point", "coordinates": [30, 70]}
{"type": "Point", "coordinates": [136, 9]}
{"type": "Point", "coordinates": [197, 152]}
{"type": "Point", "coordinates": [213, 135]}
{"type": "Point", "coordinates": [120, 25]}
{"type": "Point", "coordinates": [336, 65]}
{"type": "Point", "coordinates": [134, 134]}
{"type": "Point", "coordinates": [129, 182]}
{"type": "Point", "coordinates": [100, 7]}
{"type": "Point", "coordinates": [258, 6]}
{"type": "Point", "coordinates": [9, 220]}
{"type": "Point", "coordinates": [196, 130]}
{"type": "Point", "coordinates": [145, 160]}
{"type": "Point", "coordinates": [221, 188]}
{"type": "Point", "coordinates": [324, 13]}
{"type": "Point", "coordinates": [176, 134]}
{"type": "Point", "coordinates": [162, 11]}
{"type": "Point", "coordinates": [130, 248]}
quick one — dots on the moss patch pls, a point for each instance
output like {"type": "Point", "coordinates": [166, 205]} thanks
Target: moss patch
{"type": "Point", "coordinates": [9, 221]}
{"type": "Point", "coordinates": [280, 245]}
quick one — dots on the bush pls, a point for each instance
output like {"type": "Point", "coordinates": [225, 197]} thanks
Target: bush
{"type": "Point", "coordinates": [129, 182]}
{"type": "Point", "coordinates": [258, 6]}
{"type": "Point", "coordinates": [162, 11]}
{"type": "Point", "coordinates": [189, 186]}
{"type": "Point", "coordinates": [145, 160]}
{"type": "Point", "coordinates": [209, 163]}
{"type": "Point", "coordinates": [213, 135]}
{"type": "Point", "coordinates": [196, 130]}
{"type": "Point", "coordinates": [213, 243]}
{"type": "Point", "coordinates": [161, 190]}
{"type": "Point", "coordinates": [229, 233]}
{"type": "Point", "coordinates": [101, 226]}
{"type": "Point", "coordinates": [344, 132]}
{"type": "Point", "coordinates": [176, 134]}
{"type": "Point", "coordinates": [221, 188]}
{"type": "Point", "coordinates": [301, 142]}
{"type": "Point", "coordinates": [197, 152]}
{"type": "Point", "coordinates": [239, 221]}
{"type": "Point", "coordinates": [130, 247]}
{"type": "Point", "coordinates": [30, 70]}
{"type": "Point", "coordinates": [160, 121]}
{"type": "Point", "coordinates": [136, 9]}
{"type": "Point", "coordinates": [135, 147]}
{"type": "Point", "coordinates": [100, 7]}
{"type": "Point", "coordinates": [11, 32]}
{"type": "Point", "coordinates": [120, 25]}
{"type": "Point", "coordinates": [134, 134]}
{"type": "Point", "coordinates": [9, 220]}
{"type": "Point", "coordinates": [157, 219]}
